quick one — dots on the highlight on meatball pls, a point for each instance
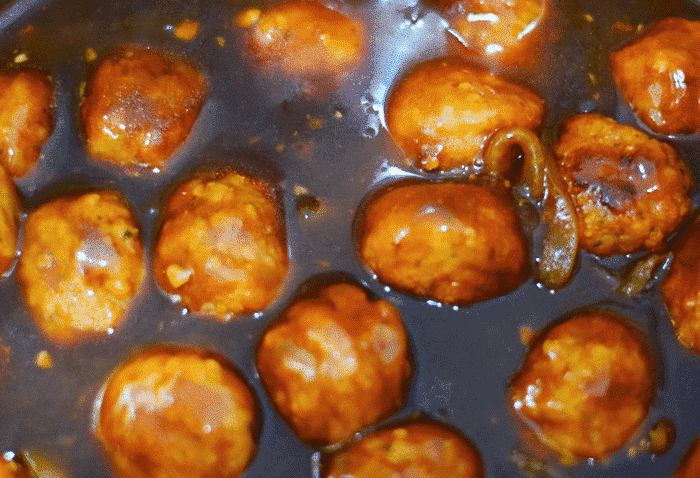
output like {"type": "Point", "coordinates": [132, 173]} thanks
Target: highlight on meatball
{"type": "Point", "coordinates": [139, 107]}
{"type": "Point", "coordinates": [9, 221]}
{"type": "Point", "coordinates": [457, 243]}
{"type": "Point", "coordinates": [630, 191]}
{"type": "Point", "coordinates": [442, 112]}
{"type": "Point", "coordinates": [81, 264]}
{"type": "Point", "coordinates": [657, 76]}
{"type": "Point", "coordinates": [303, 38]}
{"type": "Point", "coordinates": [690, 464]}
{"type": "Point", "coordinates": [26, 120]}
{"type": "Point", "coordinates": [221, 250]}
{"type": "Point", "coordinates": [335, 363]}
{"type": "Point", "coordinates": [177, 412]}
{"type": "Point", "coordinates": [423, 449]}
{"type": "Point", "coordinates": [585, 386]}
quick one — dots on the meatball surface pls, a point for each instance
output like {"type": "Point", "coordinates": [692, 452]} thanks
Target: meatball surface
{"type": "Point", "coordinates": [177, 412]}
{"type": "Point", "coordinates": [442, 112]}
{"type": "Point", "coordinates": [335, 363]}
{"type": "Point", "coordinates": [9, 221]}
{"type": "Point", "coordinates": [26, 120]}
{"type": "Point", "coordinates": [81, 264]}
{"type": "Point", "coordinates": [690, 464]}
{"type": "Point", "coordinates": [452, 242]}
{"type": "Point", "coordinates": [13, 469]}
{"type": "Point", "coordinates": [657, 75]}
{"type": "Point", "coordinates": [420, 449]}
{"type": "Point", "coordinates": [585, 386]}
{"type": "Point", "coordinates": [630, 191]}
{"type": "Point", "coordinates": [222, 247]}
{"type": "Point", "coordinates": [139, 107]}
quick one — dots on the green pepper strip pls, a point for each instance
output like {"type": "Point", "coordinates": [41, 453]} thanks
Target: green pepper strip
{"type": "Point", "coordinates": [533, 166]}
{"type": "Point", "coordinates": [638, 276]}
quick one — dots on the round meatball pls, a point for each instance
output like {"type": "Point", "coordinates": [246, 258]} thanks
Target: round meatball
{"type": "Point", "coordinates": [13, 469]}
{"type": "Point", "coordinates": [457, 243]}
{"type": "Point", "coordinates": [444, 110]}
{"type": "Point", "coordinates": [335, 363]}
{"type": "Point", "coordinates": [657, 75]}
{"type": "Point", "coordinates": [221, 250]}
{"type": "Point", "coordinates": [680, 288]}
{"type": "Point", "coordinates": [81, 264]}
{"type": "Point", "coordinates": [304, 38]}
{"type": "Point", "coordinates": [9, 221]}
{"type": "Point", "coordinates": [585, 386]}
{"type": "Point", "coordinates": [690, 464]}
{"type": "Point", "coordinates": [504, 32]}
{"type": "Point", "coordinates": [180, 413]}
{"type": "Point", "coordinates": [26, 121]}
{"type": "Point", "coordinates": [630, 191]}
{"type": "Point", "coordinates": [414, 449]}
{"type": "Point", "coordinates": [139, 107]}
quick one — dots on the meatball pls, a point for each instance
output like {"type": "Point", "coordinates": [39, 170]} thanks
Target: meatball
{"type": "Point", "coordinates": [13, 469]}
{"type": "Point", "coordinates": [9, 221]}
{"type": "Point", "coordinates": [680, 288]}
{"type": "Point", "coordinates": [335, 363]}
{"type": "Point", "coordinates": [416, 449]}
{"type": "Point", "coordinates": [177, 412]}
{"type": "Point", "coordinates": [690, 464]}
{"type": "Point", "coordinates": [457, 243]}
{"type": "Point", "coordinates": [139, 107]}
{"type": "Point", "coordinates": [504, 32]}
{"type": "Point", "coordinates": [444, 110]}
{"type": "Point", "coordinates": [221, 250]}
{"type": "Point", "coordinates": [81, 264]}
{"type": "Point", "coordinates": [26, 121]}
{"type": "Point", "coordinates": [630, 191]}
{"type": "Point", "coordinates": [657, 76]}
{"type": "Point", "coordinates": [585, 386]}
{"type": "Point", "coordinates": [304, 38]}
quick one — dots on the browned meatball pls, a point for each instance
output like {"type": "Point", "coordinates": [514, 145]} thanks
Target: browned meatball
{"type": "Point", "coordinates": [177, 413]}
{"type": "Point", "coordinates": [630, 191]}
{"type": "Point", "coordinates": [585, 386]}
{"type": "Point", "coordinates": [690, 465]}
{"type": "Point", "coordinates": [680, 288]}
{"type": "Point", "coordinates": [416, 449]}
{"type": "Point", "coordinates": [139, 107]}
{"type": "Point", "coordinates": [444, 110]}
{"type": "Point", "coordinates": [452, 242]}
{"type": "Point", "coordinates": [335, 363]}
{"type": "Point", "coordinates": [221, 250]}
{"type": "Point", "coordinates": [26, 121]}
{"type": "Point", "coordinates": [13, 469]}
{"type": "Point", "coordinates": [81, 264]}
{"type": "Point", "coordinates": [9, 221]}
{"type": "Point", "coordinates": [657, 75]}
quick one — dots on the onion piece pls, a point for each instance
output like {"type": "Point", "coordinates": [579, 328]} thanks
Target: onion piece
{"type": "Point", "coordinates": [640, 273]}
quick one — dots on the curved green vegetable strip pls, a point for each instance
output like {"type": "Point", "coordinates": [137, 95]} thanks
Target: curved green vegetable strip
{"type": "Point", "coordinates": [633, 281]}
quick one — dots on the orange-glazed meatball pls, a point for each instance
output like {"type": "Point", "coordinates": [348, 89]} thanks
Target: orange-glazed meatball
{"type": "Point", "coordinates": [303, 38]}
{"type": "Point", "coordinates": [139, 107]}
{"type": "Point", "coordinates": [630, 191]}
{"type": "Point", "coordinates": [504, 32]}
{"type": "Point", "coordinates": [177, 413]}
{"type": "Point", "coordinates": [221, 250]}
{"type": "Point", "coordinates": [690, 464]}
{"type": "Point", "coordinates": [335, 363]}
{"type": "Point", "coordinates": [26, 121]}
{"type": "Point", "coordinates": [81, 264]}
{"type": "Point", "coordinates": [13, 469]}
{"type": "Point", "coordinates": [680, 288]}
{"type": "Point", "coordinates": [657, 75]}
{"type": "Point", "coordinates": [9, 221]}
{"type": "Point", "coordinates": [416, 449]}
{"type": "Point", "coordinates": [585, 386]}
{"type": "Point", "coordinates": [443, 111]}
{"type": "Point", "coordinates": [451, 242]}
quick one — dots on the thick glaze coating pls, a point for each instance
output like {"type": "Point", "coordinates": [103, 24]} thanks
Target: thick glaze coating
{"type": "Point", "coordinates": [657, 75]}
{"type": "Point", "coordinates": [335, 363]}
{"type": "Point", "coordinates": [690, 464]}
{"type": "Point", "coordinates": [451, 242]}
{"type": "Point", "coordinates": [26, 120]}
{"type": "Point", "coordinates": [140, 106]}
{"type": "Point", "coordinates": [585, 386]}
{"type": "Point", "coordinates": [221, 247]}
{"type": "Point", "coordinates": [305, 38]}
{"type": "Point", "coordinates": [630, 191]}
{"type": "Point", "coordinates": [81, 264]}
{"type": "Point", "coordinates": [13, 469]}
{"type": "Point", "coordinates": [177, 413]}
{"type": "Point", "coordinates": [444, 110]}
{"type": "Point", "coordinates": [418, 449]}
{"type": "Point", "coordinates": [9, 221]}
